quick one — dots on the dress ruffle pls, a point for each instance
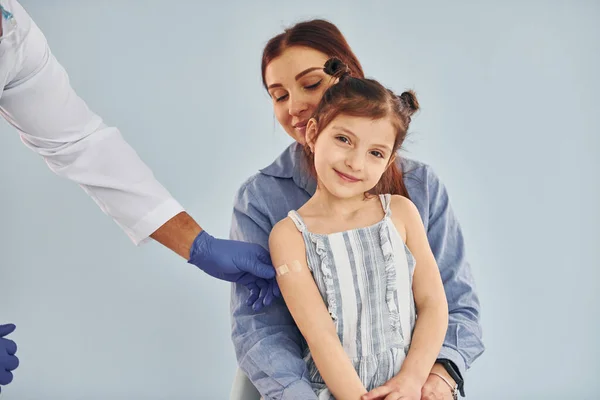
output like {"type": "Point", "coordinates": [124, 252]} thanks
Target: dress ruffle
{"type": "Point", "coordinates": [390, 273]}
{"type": "Point", "coordinates": [327, 275]}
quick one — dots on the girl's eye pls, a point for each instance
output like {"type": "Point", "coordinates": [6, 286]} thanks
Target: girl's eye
{"type": "Point", "coordinates": [314, 85]}
{"type": "Point", "coordinates": [343, 139]}
{"type": "Point", "coordinates": [281, 98]}
{"type": "Point", "coordinates": [377, 154]}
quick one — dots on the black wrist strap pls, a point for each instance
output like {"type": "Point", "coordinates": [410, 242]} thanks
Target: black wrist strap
{"type": "Point", "coordinates": [453, 371]}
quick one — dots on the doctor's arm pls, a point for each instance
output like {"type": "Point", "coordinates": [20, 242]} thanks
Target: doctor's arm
{"type": "Point", "coordinates": [55, 123]}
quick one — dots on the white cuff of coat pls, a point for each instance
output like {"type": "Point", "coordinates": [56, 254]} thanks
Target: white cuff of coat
{"type": "Point", "coordinates": [140, 233]}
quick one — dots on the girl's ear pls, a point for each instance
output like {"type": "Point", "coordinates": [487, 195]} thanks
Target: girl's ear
{"type": "Point", "coordinates": [311, 134]}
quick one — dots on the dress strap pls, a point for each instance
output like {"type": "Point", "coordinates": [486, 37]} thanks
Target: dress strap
{"type": "Point", "coordinates": [386, 201]}
{"type": "Point", "coordinates": [294, 216]}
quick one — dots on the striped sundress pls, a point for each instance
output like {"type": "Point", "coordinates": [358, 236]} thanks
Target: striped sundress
{"type": "Point", "coordinates": [365, 278]}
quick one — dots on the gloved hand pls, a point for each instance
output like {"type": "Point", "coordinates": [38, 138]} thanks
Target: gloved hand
{"type": "Point", "coordinates": [239, 262]}
{"type": "Point", "coordinates": [8, 360]}
{"type": "Point", "coordinates": [262, 293]}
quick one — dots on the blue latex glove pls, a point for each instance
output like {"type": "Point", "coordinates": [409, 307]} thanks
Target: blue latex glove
{"type": "Point", "coordinates": [239, 262]}
{"type": "Point", "coordinates": [8, 360]}
{"type": "Point", "coordinates": [262, 293]}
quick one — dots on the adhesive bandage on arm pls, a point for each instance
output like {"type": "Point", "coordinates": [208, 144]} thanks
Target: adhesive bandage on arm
{"type": "Point", "coordinates": [282, 270]}
{"type": "Point", "coordinates": [295, 266]}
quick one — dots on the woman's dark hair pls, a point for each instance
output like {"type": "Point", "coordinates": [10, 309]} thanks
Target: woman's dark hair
{"type": "Point", "coordinates": [317, 34]}
{"type": "Point", "coordinates": [361, 97]}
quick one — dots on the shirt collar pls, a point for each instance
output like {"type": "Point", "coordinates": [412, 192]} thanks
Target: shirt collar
{"type": "Point", "coordinates": [291, 164]}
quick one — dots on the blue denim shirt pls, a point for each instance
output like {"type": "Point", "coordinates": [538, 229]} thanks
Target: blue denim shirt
{"type": "Point", "coordinates": [268, 344]}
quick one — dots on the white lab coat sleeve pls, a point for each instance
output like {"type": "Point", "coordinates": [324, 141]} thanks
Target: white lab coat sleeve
{"type": "Point", "coordinates": [56, 123]}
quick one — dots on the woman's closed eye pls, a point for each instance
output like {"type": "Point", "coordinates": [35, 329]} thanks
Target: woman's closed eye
{"type": "Point", "coordinates": [281, 98]}
{"type": "Point", "coordinates": [314, 85]}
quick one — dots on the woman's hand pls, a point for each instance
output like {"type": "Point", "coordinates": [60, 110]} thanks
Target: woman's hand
{"type": "Point", "coordinates": [436, 389]}
{"type": "Point", "coordinates": [398, 388]}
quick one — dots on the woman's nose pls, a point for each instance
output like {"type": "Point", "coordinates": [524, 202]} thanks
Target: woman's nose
{"type": "Point", "coordinates": [298, 106]}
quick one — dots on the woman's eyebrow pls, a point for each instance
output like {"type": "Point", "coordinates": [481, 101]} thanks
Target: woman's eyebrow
{"type": "Point", "coordinates": [298, 76]}
{"type": "Point", "coordinates": [306, 71]}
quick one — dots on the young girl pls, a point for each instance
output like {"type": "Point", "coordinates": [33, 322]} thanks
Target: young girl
{"type": "Point", "coordinates": [354, 264]}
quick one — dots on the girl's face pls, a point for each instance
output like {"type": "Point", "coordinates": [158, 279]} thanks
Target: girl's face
{"type": "Point", "coordinates": [351, 153]}
{"type": "Point", "coordinates": [296, 82]}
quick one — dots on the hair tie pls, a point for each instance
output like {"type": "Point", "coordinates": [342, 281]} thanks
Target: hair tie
{"type": "Point", "coordinates": [336, 68]}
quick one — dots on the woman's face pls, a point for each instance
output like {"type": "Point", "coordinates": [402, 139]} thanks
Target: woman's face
{"type": "Point", "coordinates": [296, 82]}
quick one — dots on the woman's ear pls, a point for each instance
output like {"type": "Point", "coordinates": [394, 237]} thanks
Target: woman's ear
{"type": "Point", "coordinates": [311, 134]}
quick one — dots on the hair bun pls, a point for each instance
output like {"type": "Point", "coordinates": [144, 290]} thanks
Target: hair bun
{"type": "Point", "coordinates": [336, 68]}
{"type": "Point", "coordinates": [409, 102]}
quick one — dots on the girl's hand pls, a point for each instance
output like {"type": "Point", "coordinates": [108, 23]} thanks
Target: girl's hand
{"type": "Point", "coordinates": [397, 388]}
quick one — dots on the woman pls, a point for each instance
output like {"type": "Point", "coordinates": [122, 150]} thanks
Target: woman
{"type": "Point", "coordinates": [269, 346]}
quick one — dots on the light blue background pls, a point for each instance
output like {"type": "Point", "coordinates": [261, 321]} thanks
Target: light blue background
{"type": "Point", "coordinates": [510, 121]}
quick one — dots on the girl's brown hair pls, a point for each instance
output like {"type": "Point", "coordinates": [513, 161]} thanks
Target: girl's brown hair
{"type": "Point", "coordinates": [361, 97]}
